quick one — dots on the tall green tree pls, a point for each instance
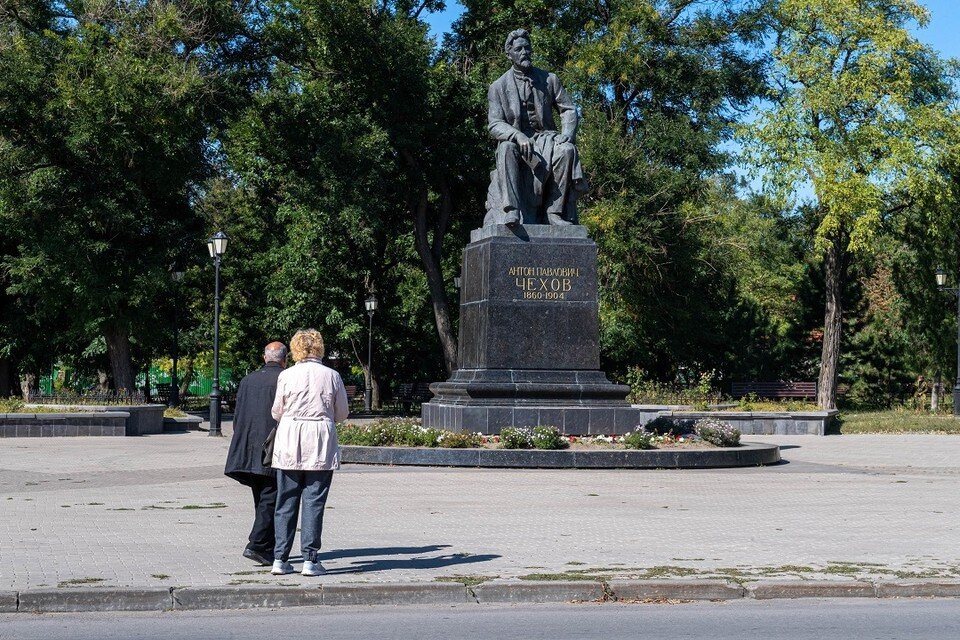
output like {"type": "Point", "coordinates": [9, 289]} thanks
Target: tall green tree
{"type": "Point", "coordinates": [105, 109]}
{"type": "Point", "coordinates": [857, 112]}
{"type": "Point", "coordinates": [355, 164]}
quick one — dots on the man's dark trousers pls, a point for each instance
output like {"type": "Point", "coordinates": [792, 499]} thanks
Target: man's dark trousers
{"type": "Point", "coordinates": [264, 503]}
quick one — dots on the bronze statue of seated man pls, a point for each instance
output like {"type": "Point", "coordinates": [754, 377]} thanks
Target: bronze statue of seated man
{"type": "Point", "coordinates": [538, 176]}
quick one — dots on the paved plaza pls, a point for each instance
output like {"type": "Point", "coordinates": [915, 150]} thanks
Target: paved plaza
{"type": "Point", "coordinates": [157, 511]}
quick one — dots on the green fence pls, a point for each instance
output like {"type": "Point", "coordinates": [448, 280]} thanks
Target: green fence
{"type": "Point", "coordinates": [159, 380]}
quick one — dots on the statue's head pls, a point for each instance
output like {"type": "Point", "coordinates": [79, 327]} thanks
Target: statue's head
{"type": "Point", "coordinates": [518, 49]}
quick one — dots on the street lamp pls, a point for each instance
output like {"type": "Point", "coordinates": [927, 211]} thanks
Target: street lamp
{"type": "Point", "coordinates": [941, 278]}
{"type": "Point", "coordinates": [174, 399]}
{"type": "Point", "coordinates": [217, 246]}
{"type": "Point", "coordinates": [371, 305]}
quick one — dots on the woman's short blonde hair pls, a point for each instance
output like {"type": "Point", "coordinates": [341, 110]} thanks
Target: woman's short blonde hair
{"type": "Point", "coordinates": [306, 343]}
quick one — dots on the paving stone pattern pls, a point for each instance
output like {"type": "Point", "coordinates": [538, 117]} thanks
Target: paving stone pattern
{"type": "Point", "coordinates": [155, 511]}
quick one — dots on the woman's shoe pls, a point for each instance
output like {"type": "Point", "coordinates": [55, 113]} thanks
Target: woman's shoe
{"type": "Point", "coordinates": [313, 569]}
{"type": "Point", "coordinates": [281, 568]}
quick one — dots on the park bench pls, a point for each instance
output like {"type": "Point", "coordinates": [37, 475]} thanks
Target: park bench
{"type": "Point", "coordinates": [355, 398]}
{"type": "Point", "coordinates": [775, 390]}
{"type": "Point", "coordinates": [410, 393]}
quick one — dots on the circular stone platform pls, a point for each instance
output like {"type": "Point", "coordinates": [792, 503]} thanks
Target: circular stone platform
{"type": "Point", "coordinates": [749, 454]}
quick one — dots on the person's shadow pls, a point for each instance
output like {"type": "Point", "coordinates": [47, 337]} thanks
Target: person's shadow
{"type": "Point", "coordinates": [386, 564]}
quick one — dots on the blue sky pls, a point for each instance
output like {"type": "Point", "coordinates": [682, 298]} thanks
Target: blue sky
{"type": "Point", "coordinates": [943, 32]}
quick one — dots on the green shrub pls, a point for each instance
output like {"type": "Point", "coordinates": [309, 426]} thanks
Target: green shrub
{"type": "Point", "coordinates": [640, 439]}
{"type": "Point", "coordinates": [11, 405]}
{"type": "Point", "coordinates": [516, 438]}
{"type": "Point", "coordinates": [747, 402]}
{"type": "Point", "coordinates": [717, 432]}
{"type": "Point", "coordinates": [352, 434]}
{"type": "Point", "coordinates": [645, 390]}
{"type": "Point", "coordinates": [548, 438]}
{"type": "Point", "coordinates": [459, 440]}
{"type": "Point", "coordinates": [389, 432]}
{"type": "Point", "coordinates": [660, 425]}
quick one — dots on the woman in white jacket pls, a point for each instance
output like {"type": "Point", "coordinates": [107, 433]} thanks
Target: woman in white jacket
{"type": "Point", "coordinates": [310, 401]}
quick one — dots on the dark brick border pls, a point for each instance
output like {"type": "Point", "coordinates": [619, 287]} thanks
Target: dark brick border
{"type": "Point", "coordinates": [750, 454]}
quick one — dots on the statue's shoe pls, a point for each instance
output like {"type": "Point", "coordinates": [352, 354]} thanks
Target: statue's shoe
{"type": "Point", "coordinates": [554, 218]}
{"type": "Point", "coordinates": [512, 218]}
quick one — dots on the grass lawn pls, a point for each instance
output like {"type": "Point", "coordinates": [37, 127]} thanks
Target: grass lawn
{"type": "Point", "coordinates": [897, 421]}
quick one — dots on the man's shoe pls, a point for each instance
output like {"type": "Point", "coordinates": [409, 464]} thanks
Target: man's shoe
{"type": "Point", "coordinates": [281, 568]}
{"type": "Point", "coordinates": [260, 558]}
{"type": "Point", "coordinates": [313, 569]}
{"type": "Point", "coordinates": [554, 218]}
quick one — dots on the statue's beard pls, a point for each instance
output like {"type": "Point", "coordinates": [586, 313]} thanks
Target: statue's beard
{"type": "Point", "coordinates": [525, 64]}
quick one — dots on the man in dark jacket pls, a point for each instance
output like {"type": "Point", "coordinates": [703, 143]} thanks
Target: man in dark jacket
{"type": "Point", "coordinates": [252, 423]}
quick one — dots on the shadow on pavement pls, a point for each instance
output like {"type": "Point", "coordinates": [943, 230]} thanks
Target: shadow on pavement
{"type": "Point", "coordinates": [381, 564]}
{"type": "Point", "coordinates": [380, 551]}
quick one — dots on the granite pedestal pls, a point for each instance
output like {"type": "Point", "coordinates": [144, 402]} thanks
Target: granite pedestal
{"type": "Point", "coordinates": [529, 350]}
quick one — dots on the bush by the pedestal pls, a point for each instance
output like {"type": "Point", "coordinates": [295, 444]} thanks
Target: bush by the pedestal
{"type": "Point", "coordinates": [717, 432]}
{"type": "Point", "coordinates": [640, 439]}
{"type": "Point", "coordinates": [532, 438]}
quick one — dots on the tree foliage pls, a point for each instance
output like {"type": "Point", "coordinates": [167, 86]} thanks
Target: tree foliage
{"type": "Point", "coordinates": [345, 153]}
{"type": "Point", "coordinates": [105, 114]}
{"type": "Point", "coordinates": [861, 112]}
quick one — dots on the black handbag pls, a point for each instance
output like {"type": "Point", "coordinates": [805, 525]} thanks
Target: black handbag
{"type": "Point", "coordinates": [267, 457]}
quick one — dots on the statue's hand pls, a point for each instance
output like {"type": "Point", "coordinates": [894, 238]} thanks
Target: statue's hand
{"type": "Point", "coordinates": [526, 146]}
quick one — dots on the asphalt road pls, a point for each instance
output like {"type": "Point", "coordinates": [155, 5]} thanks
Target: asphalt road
{"type": "Point", "coordinates": [850, 619]}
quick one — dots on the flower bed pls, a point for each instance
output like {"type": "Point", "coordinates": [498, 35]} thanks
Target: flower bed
{"type": "Point", "coordinates": [409, 432]}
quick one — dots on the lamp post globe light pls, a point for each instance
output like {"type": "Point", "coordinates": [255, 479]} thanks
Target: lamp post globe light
{"type": "Point", "coordinates": [941, 278]}
{"type": "Point", "coordinates": [371, 305]}
{"type": "Point", "coordinates": [217, 246]}
{"type": "Point", "coordinates": [174, 400]}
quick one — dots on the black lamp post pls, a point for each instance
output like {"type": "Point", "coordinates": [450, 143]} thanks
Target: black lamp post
{"type": "Point", "coordinates": [371, 305]}
{"type": "Point", "coordinates": [941, 277]}
{"type": "Point", "coordinates": [217, 245]}
{"type": "Point", "coordinates": [174, 400]}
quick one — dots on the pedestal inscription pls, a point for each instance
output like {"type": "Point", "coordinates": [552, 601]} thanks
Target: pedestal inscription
{"type": "Point", "coordinates": [529, 302]}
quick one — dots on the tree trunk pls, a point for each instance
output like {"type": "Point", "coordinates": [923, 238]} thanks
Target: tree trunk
{"type": "Point", "coordinates": [103, 382]}
{"type": "Point", "coordinates": [835, 275]}
{"type": "Point", "coordinates": [430, 257]}
{"type": "Point", "coordinates": [186, 378]}
{"type": "Point", "coordinates": [375, 402]}
{"type": "Point", "coordinates": [4, 378]}
{"type": "Point", "coordinates": [28, 384]}
{"type": "Point", "coordinates": [935, 391]}
{"type": "Point", "coordinates": [146, 385]}
{"type": "Point", "coordinates": [118, 349]}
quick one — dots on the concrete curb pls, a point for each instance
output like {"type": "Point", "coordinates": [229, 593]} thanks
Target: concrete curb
{"type": "Point", "coordinates": [447, 593]}
{"type": "Point", "coordinates": [8, 601]}
{"type": "Point", "coordinates": [809, 589]}
{"type": "Point", "coordinates": [919, 589]}
{"type": "Point", "coordinates": [90, 599]}
{"type": "Point", "coordinates": [246, 597]}
{"type": "Point", "coordinates": [526, 591]}
{"type": "Point", "coordinates": [675, 590]}
{"type": "Point", "coordinates": [396, 593]}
